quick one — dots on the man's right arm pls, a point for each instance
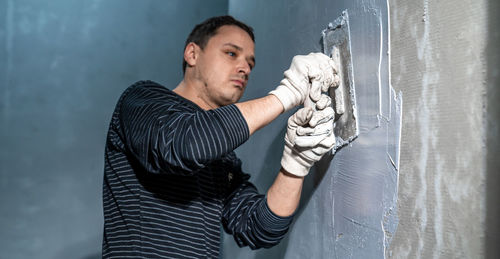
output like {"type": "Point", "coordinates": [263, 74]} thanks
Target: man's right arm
{"type": "Point", "coordinates": [307, 77]}
{"type": "Point", "coordinates": [260, 112]}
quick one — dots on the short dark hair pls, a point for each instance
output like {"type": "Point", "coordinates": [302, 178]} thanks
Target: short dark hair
{"type": "Point", "coordinates": [205, 30]}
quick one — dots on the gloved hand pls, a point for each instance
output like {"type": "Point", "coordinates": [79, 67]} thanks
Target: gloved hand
{"type": "Point", "coordinates": [307, 75]}
{"type": "Point", "coordinates": [309, 136]}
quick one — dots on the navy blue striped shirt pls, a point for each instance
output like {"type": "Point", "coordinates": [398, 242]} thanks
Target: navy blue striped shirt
{"type": "Point", "coordinates": [171, 179]}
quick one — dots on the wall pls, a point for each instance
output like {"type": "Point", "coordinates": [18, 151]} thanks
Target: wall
{"type": "Point", "coordinates": [63, 65]}
{"type": "Point", "coordinates": [348, 207]}
{"type": "Point", "coordinates": [439, 61]}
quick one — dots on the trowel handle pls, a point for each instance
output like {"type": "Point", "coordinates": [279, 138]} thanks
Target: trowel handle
{"type": "Point", "coordinates": [339, 89]}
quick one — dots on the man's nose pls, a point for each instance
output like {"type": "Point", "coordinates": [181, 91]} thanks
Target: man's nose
{"type": "Point", "coordinates": [244, 68]}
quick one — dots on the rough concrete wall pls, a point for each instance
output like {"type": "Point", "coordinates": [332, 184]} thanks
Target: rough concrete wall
{"type": "Point", "coordinates": [348, 207]}
{"type": "Point", "coordinates": [63, 64]}
{"type": "Point", "coordinates": [438, 61]}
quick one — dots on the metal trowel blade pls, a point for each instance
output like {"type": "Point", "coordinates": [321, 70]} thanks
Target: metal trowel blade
{"type": "Point", "coordinates": [337, 44]}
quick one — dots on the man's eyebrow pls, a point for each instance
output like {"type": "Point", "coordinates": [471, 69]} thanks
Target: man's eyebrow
{"type": "Point", "coordinates": [234, 46]}
{"type": "Point", "coordinates": [253, 60]}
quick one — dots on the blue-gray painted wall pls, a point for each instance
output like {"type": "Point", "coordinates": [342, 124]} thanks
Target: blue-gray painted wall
{"type": "Point", "coordinates": [63, 65]}
{"type": "Point", "coordinates": [348, 207]}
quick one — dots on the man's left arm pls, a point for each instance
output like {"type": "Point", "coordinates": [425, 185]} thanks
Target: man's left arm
{"type": "Point", "coordinates": [248, 218]}
{"type": "Point", "coordinates": [259, 221]}
{"type": "Point", "coordinates": [307, 77]}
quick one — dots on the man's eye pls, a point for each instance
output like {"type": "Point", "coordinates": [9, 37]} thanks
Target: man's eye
{"type": "Point", "coordinates": [232, 54]}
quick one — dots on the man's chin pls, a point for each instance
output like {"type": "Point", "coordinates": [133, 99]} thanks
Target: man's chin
{"type": "Point", "coordinates": [232, 100]}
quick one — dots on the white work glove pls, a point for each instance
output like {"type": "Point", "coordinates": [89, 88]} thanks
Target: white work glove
{"type": "Point", "coordinates": [307, 76]}
{"type": "Point", "coordinates": [309, 136]}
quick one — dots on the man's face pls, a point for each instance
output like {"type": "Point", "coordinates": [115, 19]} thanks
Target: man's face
{"type": "Point", "coordinates": [224, 66]}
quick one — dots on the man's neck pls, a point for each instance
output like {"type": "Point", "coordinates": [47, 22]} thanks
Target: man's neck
{"type": "Point", "coordinates": [189, 91]}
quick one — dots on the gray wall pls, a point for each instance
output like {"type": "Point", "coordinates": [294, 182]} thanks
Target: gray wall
{"type": "Point", "coordinates": [63, 65]}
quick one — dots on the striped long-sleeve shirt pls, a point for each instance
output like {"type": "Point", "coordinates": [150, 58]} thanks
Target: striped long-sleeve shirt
{"type": "Point", "coordinates": [171, 179]}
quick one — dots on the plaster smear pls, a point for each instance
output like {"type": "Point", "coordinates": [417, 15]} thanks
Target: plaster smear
{"type": "Point", "coordinates": [365, 190]}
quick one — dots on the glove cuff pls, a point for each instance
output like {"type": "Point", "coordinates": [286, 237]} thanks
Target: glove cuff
{"type": "Point", "coordinates": [293, 163]}
{"type": "Point", "coordinates": [285, 96]}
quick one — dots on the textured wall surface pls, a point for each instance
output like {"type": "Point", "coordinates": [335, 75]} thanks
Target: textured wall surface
{"type": "Point", "coordinates": [63, 64]}
{"type": "Point", "coordinates": [348, 207]}
{"type": "Point", "coordinates": [439, 59]}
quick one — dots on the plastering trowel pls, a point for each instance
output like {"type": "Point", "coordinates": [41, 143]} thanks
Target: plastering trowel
{"type": "Point", "coordinates": [337, 45]}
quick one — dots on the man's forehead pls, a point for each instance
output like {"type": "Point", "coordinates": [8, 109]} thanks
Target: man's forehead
{"type": "Point", "coordinates": [234, 33]}
{"type": "Point", "coordinates": [232, 36]}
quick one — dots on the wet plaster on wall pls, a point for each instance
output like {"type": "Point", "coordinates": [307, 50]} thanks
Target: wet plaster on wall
{"type": "Point", "coordinates": [349, 203]}
{"type": "Point", "coordinates": [365, 174]}
{"type": "Point", "coordinates": [438, 62]}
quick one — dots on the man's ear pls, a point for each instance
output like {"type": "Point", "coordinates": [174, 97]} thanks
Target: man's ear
{"type": "Point", "coordinates": [191, 53]}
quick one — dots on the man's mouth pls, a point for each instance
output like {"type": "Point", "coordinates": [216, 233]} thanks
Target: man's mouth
{"type": "Point", "coordinates": [239, 82]}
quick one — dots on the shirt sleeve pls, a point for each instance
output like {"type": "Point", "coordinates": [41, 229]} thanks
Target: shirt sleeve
{"type": "Point", "coordinates": [165, 133]}
{"type": "Point", "coordinates": [248, 218]}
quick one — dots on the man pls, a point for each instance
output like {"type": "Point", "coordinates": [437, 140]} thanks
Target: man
{"type": "Point", "coordinates": [171, 176]}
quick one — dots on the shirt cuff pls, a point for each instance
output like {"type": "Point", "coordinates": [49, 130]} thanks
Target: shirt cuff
{"type": "Point", "coordinates": [271, 221]}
